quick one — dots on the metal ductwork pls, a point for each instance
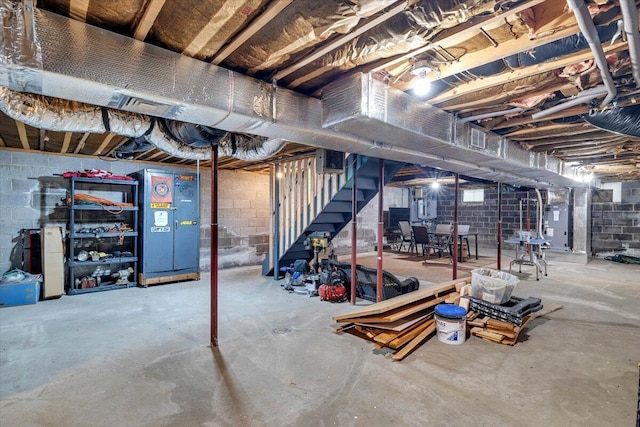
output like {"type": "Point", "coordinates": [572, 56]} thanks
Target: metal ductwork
{"type": "Point", "coordinates": [367, 108]}
{"type": "Point", "coordinates": [89, 65]}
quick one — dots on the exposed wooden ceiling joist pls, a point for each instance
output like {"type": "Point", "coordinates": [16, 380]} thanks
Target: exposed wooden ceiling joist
{"type": "Point", "coordinates": [217, 21]}
{"type": "Point", "coordinates": [271, 12]}
{"type": "Point", "coordinates": [22, 132]}
{"type": "Point", "coordinates": [66, 142]}
{"type": "Point", "coordinates": [105, 142]}
{"type": "Point", "coordinates": [78, 9]}
{"type": "Point", "coordinates": [148, 18]}
{"type": "Point", "coordinates": [400, 7]}
{"type": "Point", "coordinates": [81, 143]}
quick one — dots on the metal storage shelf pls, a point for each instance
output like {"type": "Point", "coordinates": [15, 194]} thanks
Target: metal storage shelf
{"type": "Point", "coordinates": [102, 235]}
{"type": "Point", "coordinates": [82, 215]}
{"type": "Point", "coordinates": [114, 260]}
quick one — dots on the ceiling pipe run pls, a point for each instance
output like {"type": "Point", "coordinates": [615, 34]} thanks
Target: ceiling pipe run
{"type": "Point", "coordinates": [630, 20]}
{"type": "Point", "coordinates": [490, 115]}
{"type": "Point", "coordinates": [590, 33]}
{"type": "Point", "coordinates": [582, 98]}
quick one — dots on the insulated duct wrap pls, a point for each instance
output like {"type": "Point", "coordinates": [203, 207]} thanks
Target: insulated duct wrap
{"type": "Point", "coordinates": [69, 116]}
{"type": "Point", "coordinates": [621, 121]}
{"type": "Point", "coordinates": [94, 66]}
{"type": "Point", "coordinates": [18, 44]}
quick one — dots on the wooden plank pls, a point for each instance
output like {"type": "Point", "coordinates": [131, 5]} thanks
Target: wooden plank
{"type": "Point", "coordinates": [175, 278]}
{"type": "Point", "coordinates": [398, 325]}
{"type": "Point", "coordinates": [81, 143]}
{"type": "Point", "coordinates": [271, 12]}
{"type": "Point", "coordinates": [403, 312]}
{"type": "Point", "coordinates": [66, 142]}
{"type": "Point", "coordinates": [404, 338]}
{"type": "Point", "coordinates": [414, 343]}
{"type": "Point", "coordinates": [151, 12]}
{"type": "Point", "coordinates": [104, 144]}
{"type": "Point", "coordinates": [399, 301]}
{"type": "Point", "coordinates": [491, 336]}
{"type": "Point", "coordinates": [22, 133]}
{"type": "Point", "coordinates": [78, 10]}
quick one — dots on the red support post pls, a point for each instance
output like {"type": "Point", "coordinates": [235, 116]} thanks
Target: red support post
{"type": "Point", "coordinates": [499, 240]}
{"type": "Point", "coordinates": [380, 228]}
{"type": "Point", "coordinates": [214, 247]}
{"type": "Point", "coordinates": [354, 229]}
{"type": "Point", "coordinates": [455, 228]}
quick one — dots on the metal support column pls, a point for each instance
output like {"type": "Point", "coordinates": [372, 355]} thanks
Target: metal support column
{"type": "Point", "coordinates": [214, 247]}
{"type": "Point", "coordinates": [380, 228]}
{"type": "Point", "coordinates": [276, 224]}
{"type": "Point", "coordinates": [499, 231]}
{"type": "Point", "coordinates": [354, 229]}
{"type": "Point", "coordinates": [455, 227]}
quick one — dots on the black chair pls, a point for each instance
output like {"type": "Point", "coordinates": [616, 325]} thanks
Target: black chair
{"type": "Point", "coordinates": [420, 237]}
{"type": "Point", "coordinates": [407, 235]}
{"type": "Point", "coordinates": [440, 241]}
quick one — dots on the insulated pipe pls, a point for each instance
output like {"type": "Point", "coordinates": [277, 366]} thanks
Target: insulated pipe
{"type": "Point", "coordinates": [490, 115]}
{"type": "Point", "coordinates": [590, 33]}
{"type": "Point", "coordinates": [630, 20]}
{"type": "Point", "coordinates": [354, 229]}
{"type": "Point", "coordinates": [539, 214]}
{"type": "Point", "coordinates": [582, 98]}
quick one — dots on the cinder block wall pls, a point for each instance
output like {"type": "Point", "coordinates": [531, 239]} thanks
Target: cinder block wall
{"type": "Point", "coordinates": [483, 217]}
{"type": "Point", "coordinates": [615, 227]}
{"type": "Point", "coordinates": [31, 193]}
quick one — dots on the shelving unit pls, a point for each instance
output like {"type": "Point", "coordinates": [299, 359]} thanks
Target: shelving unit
{"type": "Point", "coordinates": [102, 248]}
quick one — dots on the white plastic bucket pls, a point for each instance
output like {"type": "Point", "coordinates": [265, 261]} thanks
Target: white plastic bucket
{"type": "Point", "coordinates": [451, 324]}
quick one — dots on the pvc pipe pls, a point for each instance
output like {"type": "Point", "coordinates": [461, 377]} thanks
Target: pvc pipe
{"type": "Point", "coordinates": [214, 248]}
{"type": "Point", "coordinates": [583, 97]}
{"type": "Point", "coordinates": [588, 29]}
{"type": "Point", "coordinates": [354, 229]}
{"type": "Point", "coordinates": [630, 21]}
{"type": "Point", "coordinates": [490, 115]}
{"type": "Point", "coordinates": [380, 228]}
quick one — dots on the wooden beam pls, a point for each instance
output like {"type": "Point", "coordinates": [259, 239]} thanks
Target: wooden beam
{"type": "Point", "coordinates": [104, 144]}
{"type": "Point", "coordinates": [22, 133]}
{"type": "Point", "coordinates": [142, 154]}
{"type": "Point", "coordinates": [453, 35]}
{"type": "Point", "coordinates": [65, 142]}
{"type": "Point", "coordinates": [150, 15]}
{"type": "Point", "coordinates": [271, 12]}
{"type": "Point", "coordinates": [217, 21]}
{"type": "Point", "coordinates": [78, 10]}
{"type": "Point", "coordinates": [2, 144]}
{"type": "Point", "coordinates": [371, 23]}
{"type": "Point", "coordinates": [158, 154]}
{"type": "Point", "coordinates": [81, 143]}
{"type": "Point", "coordinates": [522, 73]}
{"type": "Point", "coordinates": [42, 139]}
{"type": "Point", "coordinates": [118, 145]}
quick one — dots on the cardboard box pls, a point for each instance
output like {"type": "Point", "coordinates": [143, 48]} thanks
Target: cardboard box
{"type": "Point", "coordinates": [12, 294]}
{"type": "Point", "coordinates": [52, 262]}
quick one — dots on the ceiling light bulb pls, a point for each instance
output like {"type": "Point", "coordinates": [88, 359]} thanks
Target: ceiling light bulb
{"type": "Point", "coordinates": [435, 185]}
{"type": "Point", "coordinates": [421, 86]}
{"type": "Point", "coordinates": [279, 175]}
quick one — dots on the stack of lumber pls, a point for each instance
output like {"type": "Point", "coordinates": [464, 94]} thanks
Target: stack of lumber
{"type": "Point", "coordinates": [502, 332]}
{"type": "Point", "coordinates": [402, 323]}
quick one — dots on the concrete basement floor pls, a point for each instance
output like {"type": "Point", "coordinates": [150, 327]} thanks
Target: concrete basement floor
{"type": "Point", "coordinates": [140, 357]}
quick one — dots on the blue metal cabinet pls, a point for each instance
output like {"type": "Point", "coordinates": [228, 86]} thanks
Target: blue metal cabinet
{"type": "Point", "coordinates": [169, 241]}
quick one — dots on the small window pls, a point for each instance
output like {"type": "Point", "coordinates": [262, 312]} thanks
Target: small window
{"type": "Point", "coordinates": [473, 196]}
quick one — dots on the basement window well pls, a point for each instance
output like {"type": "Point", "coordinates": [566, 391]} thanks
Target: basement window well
{"type": "Point", "coordinates": [473, 196]}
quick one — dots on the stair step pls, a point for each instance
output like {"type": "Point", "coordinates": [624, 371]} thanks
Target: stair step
{"type": "Point", "coordinates": [345, 195]}
{"type": "Point", "coordinates": [319, 226]}
{"type": "Point", "coordinates": [342, 207]}
{"type": "Point", "coordinates": [330, 217]}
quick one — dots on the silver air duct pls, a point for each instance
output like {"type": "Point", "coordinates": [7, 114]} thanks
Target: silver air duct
{"type": "Point", "coordinates": [91, 65]}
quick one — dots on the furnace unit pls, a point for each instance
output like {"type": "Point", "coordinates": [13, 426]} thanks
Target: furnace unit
{"type": "Point", "coordinates": [169, 243]}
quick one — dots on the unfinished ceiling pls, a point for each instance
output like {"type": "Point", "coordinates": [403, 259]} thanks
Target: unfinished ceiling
{"type": "Point", "coordinates": [510, 67]}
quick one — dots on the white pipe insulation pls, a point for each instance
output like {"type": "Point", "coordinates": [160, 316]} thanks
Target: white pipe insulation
{"type": "Point", "coordinates": [630, 21]}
